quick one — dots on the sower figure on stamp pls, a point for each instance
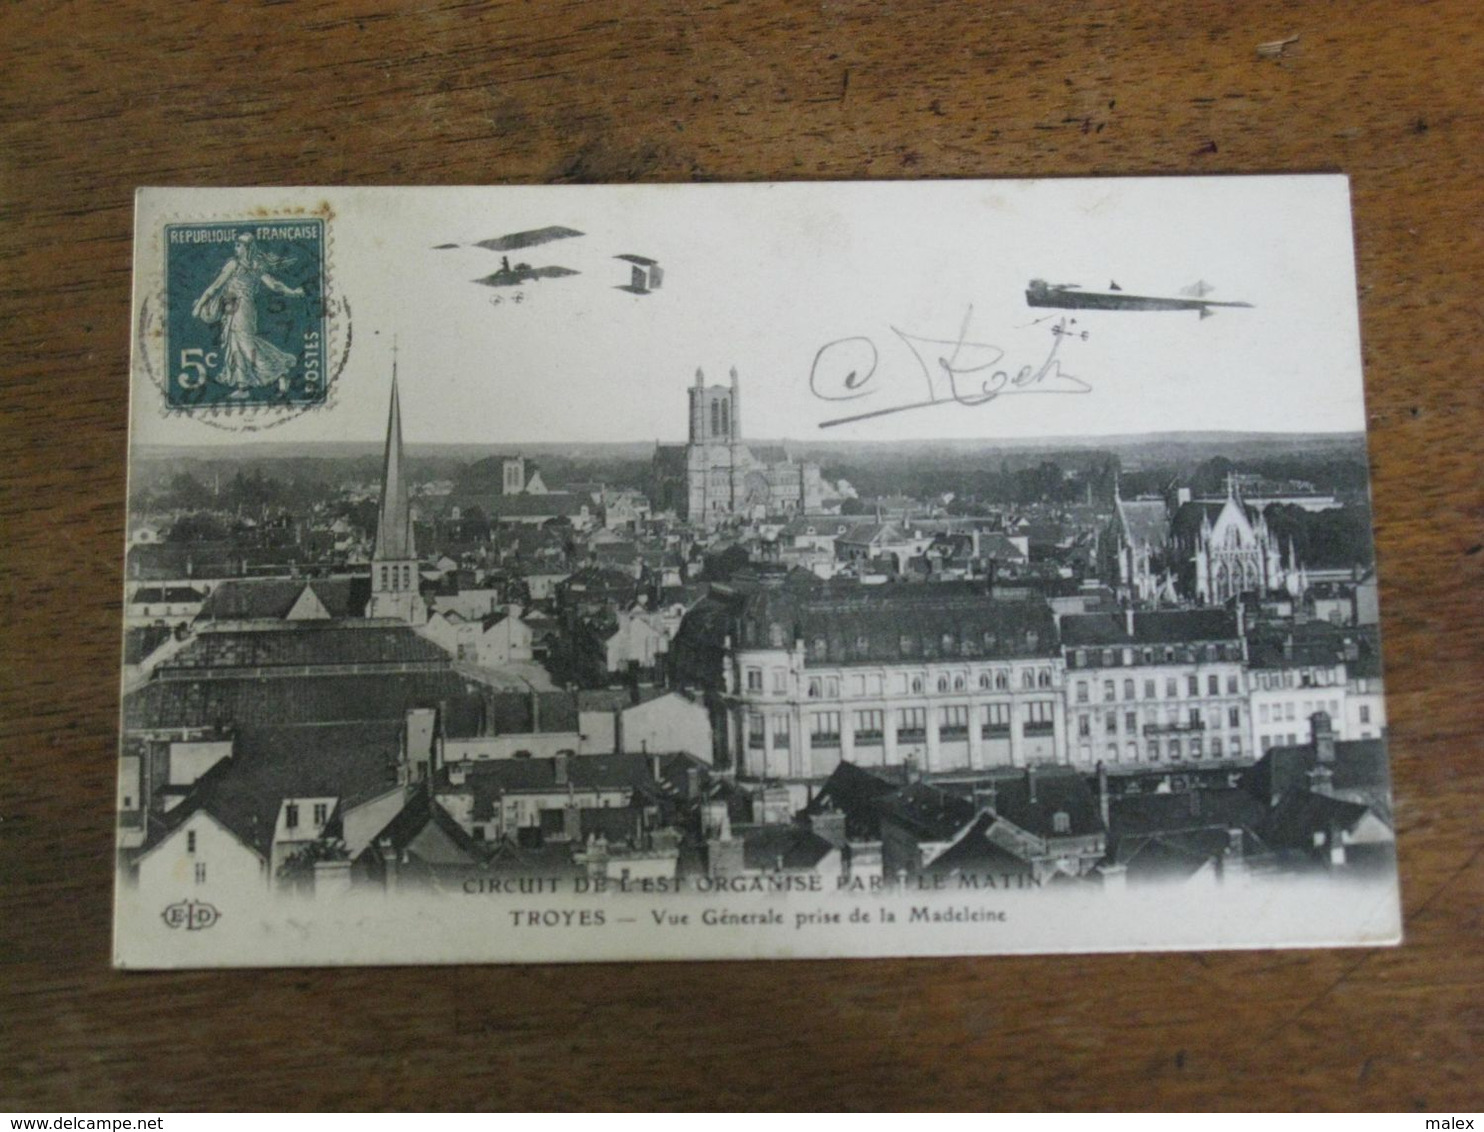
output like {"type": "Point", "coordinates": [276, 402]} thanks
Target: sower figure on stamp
{"type": "Point", "coordinates": [248, 361]}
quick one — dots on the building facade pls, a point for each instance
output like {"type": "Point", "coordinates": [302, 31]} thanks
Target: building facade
{"type": "Point", "coordinates": [1156, 688]}
{"type": "Point", "coordinates": [944, 677]}
{"type": "Point", "coordinates": [725, 478]}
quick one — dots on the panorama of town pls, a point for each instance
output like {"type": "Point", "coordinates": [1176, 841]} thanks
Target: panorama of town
{"type": "Point", "coordinates": [1091, 664]}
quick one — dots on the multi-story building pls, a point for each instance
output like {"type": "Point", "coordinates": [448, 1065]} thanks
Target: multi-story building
{"type": "Point", "coordinates": [1161, 687]}
{"type": "Point", "coordinates": [1298, 669]}
{"type": "Point", "coordinates": [944, 676]}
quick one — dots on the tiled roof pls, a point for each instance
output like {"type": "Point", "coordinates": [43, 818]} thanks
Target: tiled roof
{"type": "Point", "coordinates": [1166, 626]}
{"type": "Point", "coordinates": [454, 847]}
{"type": "Point", "coordinates": [851, 623]}
{"type": "Point", "coordinates": [1031, 801]}
{"type": "Point", "coordinates": [269, 764]}
{"type": "Point", "coordinates": [140, 642]}
{"type": "Point", "coordinates": [820, 525]}
{"type": "Point", "coordinates": [1226, 807]}
{"type": "Point", "coordinates": [272, 598]}
{"type": "Point", "coordinates": [1360, 765]}
{"type": "Point", "coordinates": [999, 547]}
{"type": "Point", "coordinates": [308, 643]}
{"type": "Point", "coordinates": [1314, 643]}
{"type": "Point", "coordinates": [1145, 522]}
{"type": "Point", "coordinates": [853, 791]}
{"type": "Point", "coordinates": [172, 595]}
{"type": "Point", "coordinates": [771, 847]}
{"type": "Point", "coordinates": [488, 780]}
{"type": "Point", "coordinates": [927, 812]}
{"type": "Point", "coordinates": [553, 860]}
{"type": "Point", "coordinates": [490, 712]}
{"type": "Point", "coordinates": [243, 701]}
{"type": "Point", "coordinates": [552, 503]}
{"type": "Point", "coordinates": [1295, 820]}
{"type": "Point", "coordinates": [1175, 856]}
{"type": "Point", "coordinates": [974, 852]}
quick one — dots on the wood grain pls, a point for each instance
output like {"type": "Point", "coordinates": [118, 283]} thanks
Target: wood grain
{"type": "Point", "coordinates": [96, 99]}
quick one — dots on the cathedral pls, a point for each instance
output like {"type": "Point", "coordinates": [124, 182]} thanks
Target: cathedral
{"type": "Point", "coordinates": [1205, 550]}
{"type": "Point", "coordinates": [725, 478]}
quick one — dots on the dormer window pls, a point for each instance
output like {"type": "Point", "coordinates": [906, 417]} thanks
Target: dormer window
{"type": "Point", "coordinates": [1061, 822]}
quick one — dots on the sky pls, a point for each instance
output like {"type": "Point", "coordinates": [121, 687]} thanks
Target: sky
{"type": "Point", "coordinates": [798, 286]}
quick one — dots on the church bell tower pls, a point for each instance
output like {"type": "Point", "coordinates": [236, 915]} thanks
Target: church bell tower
{"type": "Point", "coordinates": [394, 573]}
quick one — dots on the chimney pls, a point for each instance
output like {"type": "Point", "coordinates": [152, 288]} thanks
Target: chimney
{"type": "Point", "coordinates": [1103, 793]}
{"type": "Point", "coordinates": [561, 769]}
{"type": "Point", "coordinates": [1324, 737]}
{"type": "Point", "coordinates": [986, 797]}
{"type": "Point", "coordinates": [572, 821]}
{"type": "Point", "coordinates": [1335, 840]}
{"type": "Point", "coordinates": [1322, 780]}
{"type": "Point", "coordinates": [1128, 621]}
{"type": "Point", "coordinates": [388, 862]}
{"type": "Point", "coordinates": [1030, 782]}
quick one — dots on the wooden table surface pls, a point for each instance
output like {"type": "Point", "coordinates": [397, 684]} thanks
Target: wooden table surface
{"type": "Point", "coordinates": [96, 99]}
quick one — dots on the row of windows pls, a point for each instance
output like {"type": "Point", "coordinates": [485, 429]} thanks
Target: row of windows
{"type": "Point", "coordinates": [914, 644]}
{"type": "Point", "coordinates": [1176, 749]}
{"type": "Point", "coordinates": [1289, 678]}
{"type": "Point", "coordinates": [910, 724]}
{"type": "Point", "coordinates": [291, 814]}
{"type": "Point", "coordinates": [874, 683]}
{"type": "Point", "coordinates": [1279, 712]}
{"type": "Point", "coordinates": [1150, 654]}
{"type": "Point", "coordinates": [1151, 688]}
{"type": "Point", "coordinates": [1191, 720]}
{"type": "Point", "coordinates": [396, 577]}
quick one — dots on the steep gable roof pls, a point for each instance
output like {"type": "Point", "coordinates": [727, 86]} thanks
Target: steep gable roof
{"type": "Point", "coordinates": [1145, 522]}
{"type": "Point", "coordinates": [273, 599]}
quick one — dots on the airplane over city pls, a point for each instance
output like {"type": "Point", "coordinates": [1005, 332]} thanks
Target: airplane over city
{"type": "Point", "coordinates": [1070, 296]}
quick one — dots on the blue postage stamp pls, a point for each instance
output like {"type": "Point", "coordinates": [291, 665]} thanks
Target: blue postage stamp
{"type": "Point", "coordinates": [245, 317]}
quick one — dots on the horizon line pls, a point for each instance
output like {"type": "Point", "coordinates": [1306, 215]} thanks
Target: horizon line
{"type": "Point", "coordinates": [1065, 438]}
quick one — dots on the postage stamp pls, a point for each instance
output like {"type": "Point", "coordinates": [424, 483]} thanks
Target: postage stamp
{"type": "Point", "coordinates": [245, 314]}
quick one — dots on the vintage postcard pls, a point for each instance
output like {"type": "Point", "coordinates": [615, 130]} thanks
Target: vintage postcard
{"type": "Point", "coordinates": [748, 571]}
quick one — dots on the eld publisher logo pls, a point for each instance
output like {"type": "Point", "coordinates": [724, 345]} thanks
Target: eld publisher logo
{"type": "Point", "coordinates": [193, 915]}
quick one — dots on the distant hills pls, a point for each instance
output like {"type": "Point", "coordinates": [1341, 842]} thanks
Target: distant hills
{"type": "Point", "coordinates": [1133, 449]}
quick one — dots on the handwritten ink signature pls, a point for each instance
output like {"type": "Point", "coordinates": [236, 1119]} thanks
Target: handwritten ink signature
{"type": "Point", "coordinates": [963, 371]}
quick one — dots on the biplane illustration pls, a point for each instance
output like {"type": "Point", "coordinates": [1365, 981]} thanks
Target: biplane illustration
{"type": "Point", "coordinates": [645, 274]}
{"type": "Point", "coordinates": [1071, 296]}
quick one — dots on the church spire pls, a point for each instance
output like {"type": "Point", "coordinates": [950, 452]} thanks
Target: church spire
{"type": "Point", "coordinates": [394, 517]}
